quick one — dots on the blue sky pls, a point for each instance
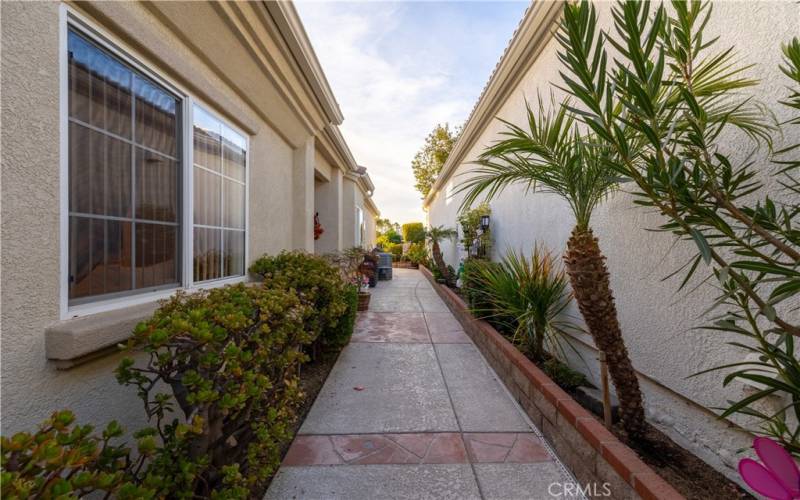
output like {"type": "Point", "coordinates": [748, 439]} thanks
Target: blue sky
{"type": "Point", "coordinates": [399, 68]}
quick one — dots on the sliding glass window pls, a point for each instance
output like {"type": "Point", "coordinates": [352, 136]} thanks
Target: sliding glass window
{"type": "Point", "coordinates": [219, 185]}
{"type": "Point", "coordinates": [124, 177]}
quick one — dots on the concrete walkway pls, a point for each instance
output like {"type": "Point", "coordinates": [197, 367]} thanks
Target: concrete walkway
{"type": "Point", "coordinates": [412, 410]}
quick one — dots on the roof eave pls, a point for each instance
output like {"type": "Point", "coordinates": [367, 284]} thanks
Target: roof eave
{"type": "Point", "coordinates": [291, 27]}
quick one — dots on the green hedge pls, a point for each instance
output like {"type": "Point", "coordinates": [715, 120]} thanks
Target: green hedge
{"type": "Point", "coordinates": [414, 232]}
{"type": "Point", "coordinates": [396, 250]}
{"type": "Point", "coordinates": [219, 383]}
{"type": "Point", "coordinates": [341, 334]}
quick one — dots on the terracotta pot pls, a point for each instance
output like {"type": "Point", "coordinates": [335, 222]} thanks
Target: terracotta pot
{"type": "Point", "coordinates": [363, 301]}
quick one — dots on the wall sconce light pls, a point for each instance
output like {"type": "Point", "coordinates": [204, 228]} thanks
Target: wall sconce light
{"type": "Point", "coordinates": [484, 222]}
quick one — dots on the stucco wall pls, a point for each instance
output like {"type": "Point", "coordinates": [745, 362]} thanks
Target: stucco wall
{"type": "Point", "coordinates": [328, 203]}
{"type": "Point", "coordinates": [656, 321]}
{"type": "Point", "coordinates": [31, 386]}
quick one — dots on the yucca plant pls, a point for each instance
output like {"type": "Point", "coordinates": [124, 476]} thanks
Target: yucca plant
{"type": "Point", "coordinates": [551, 155]}
{"type": "Point", "coordinates": [660, 109]}
{"type": "Point", "coordinates": [527, 296]}
{"type": "Point", "coordinates": [435, 235]}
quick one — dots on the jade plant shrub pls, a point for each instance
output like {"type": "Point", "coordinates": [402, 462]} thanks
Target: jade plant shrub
{"type": "Point", "coordinates": [315, 280]}
{"type": "Point", "coordinates": [340, 335]}
{"type": "Point", "coordinates": [65, 460]}
{"type": "Point", "coordinates": [230, 357]}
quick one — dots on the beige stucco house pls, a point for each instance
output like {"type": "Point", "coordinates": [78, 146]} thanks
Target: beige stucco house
{"type": "Point", "coordinates": [149, 147]}
{"type": "Point", "coordinates": [657, 322]}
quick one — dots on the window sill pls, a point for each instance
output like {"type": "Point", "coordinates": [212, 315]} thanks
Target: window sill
{"type": "Point", "coordinates": [77, 341]}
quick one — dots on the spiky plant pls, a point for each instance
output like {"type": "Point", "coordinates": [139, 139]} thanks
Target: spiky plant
{"type": "Point", "coordinates": [529, 297]}
{"type": "Point", "coordinates": [550, 155]}
{"type": "Point", "coordinates": [435, 235]}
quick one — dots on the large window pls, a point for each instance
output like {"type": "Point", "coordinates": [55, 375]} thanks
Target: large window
{"type": "Point", "coordinates": [219, 198]}
{"type": "Point", "coordinates": [124, 177]}
{"type": "Point", "coordinates": [128, 212]}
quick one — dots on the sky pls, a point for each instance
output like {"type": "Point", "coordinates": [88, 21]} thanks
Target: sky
{"type": "Point", "coordinates": [399, 68]}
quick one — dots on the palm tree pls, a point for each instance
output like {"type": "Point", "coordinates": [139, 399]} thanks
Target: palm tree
{"type": "Point", "coordinates": [435, 235]}
{"type": "Point", "coordinates": [553, 157]}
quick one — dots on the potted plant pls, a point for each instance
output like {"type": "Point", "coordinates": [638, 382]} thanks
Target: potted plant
{"type": "Point", "coordinates": [356, 269]}
{"type": "Point", "coordinates": [363, 295]}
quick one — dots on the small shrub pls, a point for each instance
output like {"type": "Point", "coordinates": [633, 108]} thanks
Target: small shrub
{"type": "Point", "coordinates": [414, 232]}
{"type": "Point", "coordinates": [316, 282]}
{"type": "Point", "coordinates": [472, 287]}
{"type": "Point", "coordinates": [563, 375]}
{"type": "Point", "coordinates": [396, 250]}
{"type": "Point", "coordinates": [230, 356]}
{"type": "Point", "coordinates": [528, 296]}
{"type": "Point", "coordinates": [417, 253]}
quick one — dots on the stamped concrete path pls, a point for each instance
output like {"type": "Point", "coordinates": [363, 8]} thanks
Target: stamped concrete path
{"type": "Point", "coordinates": [412, 410]}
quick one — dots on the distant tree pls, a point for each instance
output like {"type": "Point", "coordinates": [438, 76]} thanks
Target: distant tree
{"type": "Point", "coordinates": [390, 237]}
{"type": "Point", "coordinates": [387, 233]}
{"type": "Point", "coordinates": [429, 160]}
{"type": "Point", "coordinates": [413, 232]}
{"type": "Point", "coordinates": [384, 225]}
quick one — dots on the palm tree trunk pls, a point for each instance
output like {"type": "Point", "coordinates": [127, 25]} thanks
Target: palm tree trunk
{"type": "Point", "coordinates": [587, 271]}
{"type": "Point", "coordinates": [439, 260]}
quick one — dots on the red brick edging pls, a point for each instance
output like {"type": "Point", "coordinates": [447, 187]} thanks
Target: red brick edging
{"type": "Point", "coordinates": [590, 450]}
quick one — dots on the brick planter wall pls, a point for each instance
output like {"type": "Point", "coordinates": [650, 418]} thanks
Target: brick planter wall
{"type": "Point", "coordinates": [590, 450]}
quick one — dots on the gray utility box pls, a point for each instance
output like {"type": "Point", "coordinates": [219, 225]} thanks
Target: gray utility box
{"type": "Point", "coordinates": [384, 266]}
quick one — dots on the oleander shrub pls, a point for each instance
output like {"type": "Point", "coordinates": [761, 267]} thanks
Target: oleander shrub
{"type": "Point", "coordinates": [317, 283]}
{"type": "Point", "coordinates": [230, 357]}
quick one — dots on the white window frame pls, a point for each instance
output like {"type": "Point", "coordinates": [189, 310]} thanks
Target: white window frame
{"type": "Point", "coordinates": [69, 18]}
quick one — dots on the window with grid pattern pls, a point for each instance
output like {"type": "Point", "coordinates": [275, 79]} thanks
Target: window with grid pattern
{"type": "Point", "coordinates": [124, 177]}
{"type": "Point", "coordinates": [219, 186]}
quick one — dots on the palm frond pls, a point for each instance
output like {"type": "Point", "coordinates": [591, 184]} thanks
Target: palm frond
{"type": "Point", "coordinates": [549, 155]}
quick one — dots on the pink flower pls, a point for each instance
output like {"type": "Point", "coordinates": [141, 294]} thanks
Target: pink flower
{"type": "Point", "coordinates": [778, 478]}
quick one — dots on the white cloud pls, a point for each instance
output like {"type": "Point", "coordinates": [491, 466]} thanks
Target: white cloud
{"type": "Point", "coordinates": [394, 81]}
